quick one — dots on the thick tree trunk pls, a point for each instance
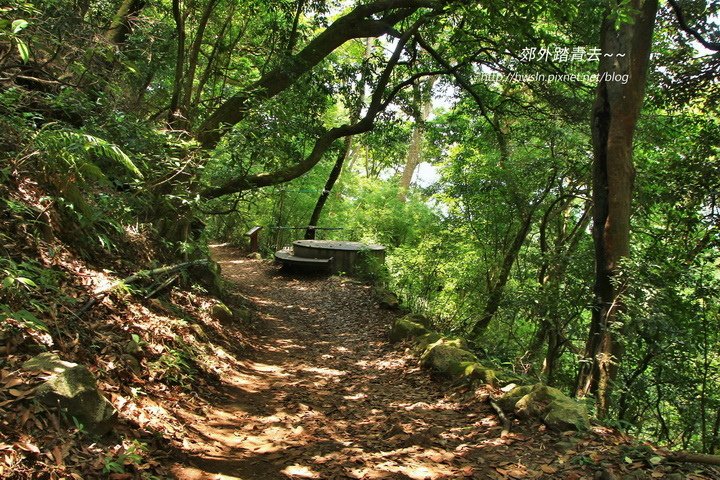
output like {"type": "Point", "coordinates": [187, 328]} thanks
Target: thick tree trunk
{"type": "Point", "coordinates": [120, 25]}
{"type": "Point", "coordinates": [625, 51]}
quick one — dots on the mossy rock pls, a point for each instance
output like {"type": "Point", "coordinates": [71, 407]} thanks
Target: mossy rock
{"type": "Point", "coordinates": [133, 348]}
{"type": "Point", "coordinates": [507, 402]}
{"type": "Point", "coordinates": [477, 373]}
{"type": "Point", "coordinates": [447, 361]}
{"type": "Point", "coordinates": [198, 331]}
{"type": "Point", "coordinates": [421, 319]}
{"type": "Point", "coordinates": [433, 339]}
{"type": "Point", "coordinates": [242, 313]}
{"type": "Point", "coordinates": [221, 313]}
{"type": "Point", "coordinates": [424, 341]}
{"type": "Point", "coordinates": [208, 275]}
{"type": "Point", "coordinates": [73, 388]}
{"type": "Point", "coordinates": [404, 329]}
{"type": "Point", "coordinates": [386, 299]}
{"type": "Point", "coordinates": [547, 404]}
{"type": "Point", "coordinates": [506, 377]}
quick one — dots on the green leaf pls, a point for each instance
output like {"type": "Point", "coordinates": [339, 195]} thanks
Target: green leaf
{"type": "Point", "coordinates": [26, 281]}
{"type": "Point", "coordinates": [18, 25]}
{"type": "Point", "coordinates": [655, 460]}
{"type": "Point", "coordinates": [23, 50]}
{"type": "Point", "coordinates": [30, 320]}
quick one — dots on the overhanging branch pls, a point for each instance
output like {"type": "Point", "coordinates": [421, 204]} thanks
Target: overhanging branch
{"type": "Point", "coordinates": [715, 46]}
{"type": "Point", "coordinates": [378, 103]}
{"type": "Point", "coordinates": [359, 23]}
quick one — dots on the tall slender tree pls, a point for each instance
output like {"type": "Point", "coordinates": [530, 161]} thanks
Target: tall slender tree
{"type": "Point", "coordinates": [626, 39]}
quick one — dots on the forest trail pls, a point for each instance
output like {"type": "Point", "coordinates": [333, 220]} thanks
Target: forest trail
{"type": "Point", "coordinates": [320, 393]}
{"type": "Point", "coordinates": [323, 395]}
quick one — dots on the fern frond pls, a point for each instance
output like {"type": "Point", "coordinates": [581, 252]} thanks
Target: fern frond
{"type": "Point", "coordinates": [75, 142]}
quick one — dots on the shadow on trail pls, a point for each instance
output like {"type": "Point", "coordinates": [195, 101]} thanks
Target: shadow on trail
{"type": "Point", "coordinates": [322, 395]}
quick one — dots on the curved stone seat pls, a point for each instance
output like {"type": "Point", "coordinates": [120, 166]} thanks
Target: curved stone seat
{"type": "Point", "coordinates": [290, 260]}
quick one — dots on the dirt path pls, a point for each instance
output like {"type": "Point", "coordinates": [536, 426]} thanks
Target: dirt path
{"type": "Point", "coordinates": [325, 396]}
{"type": "Point", "coordinates": [321, 394]}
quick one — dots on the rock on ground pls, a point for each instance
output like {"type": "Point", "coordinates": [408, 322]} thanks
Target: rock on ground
{"type": "Point", "coordinates": [73, 388]}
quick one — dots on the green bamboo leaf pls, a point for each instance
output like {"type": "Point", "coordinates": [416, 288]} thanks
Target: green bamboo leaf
{"type": "Point", "coordinates": [18, 25]}
{"type": "Point", "coordinates": [26, 281]}
{"type": "Point", "coordinates": [23, 50]}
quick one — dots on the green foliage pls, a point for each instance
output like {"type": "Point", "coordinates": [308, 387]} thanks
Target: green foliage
{"type": "Point", "coordinates": [175, 365]}
{"type": "Point", "coordinates": [371, 268]}
{"type": "Point", "coordinates": [23, 292]}
{"type": "Point", "coordinates": [508, 218]}
{"type": "Point", "coordinates": [127, 458]}
{"type": "Point", "coordinates": [81, 152]}
{"type": "Point", "coordinates": [10, 31]}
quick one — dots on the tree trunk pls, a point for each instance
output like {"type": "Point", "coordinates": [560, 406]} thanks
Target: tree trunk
{"type": "Point", "coordinates": [119, 28]}
{"type": "Point", "coordinates": [498, 287]}
{"type": "Point", "coordinates": [423, 103]}
{"type": "Point", "coordinates": [625, 51]}
{"type": "Point", "coordinates": [378, 103]}
{"type": "Point", "coordinates": [334, 175]}
{"type": "Point", "coordinates": [175, 115]}
{"type": "Point", "coordinates": [192, 60]}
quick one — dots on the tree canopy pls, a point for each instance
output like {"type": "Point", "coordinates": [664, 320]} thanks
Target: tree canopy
{"type": "Point", "coordinates": [567, 220]}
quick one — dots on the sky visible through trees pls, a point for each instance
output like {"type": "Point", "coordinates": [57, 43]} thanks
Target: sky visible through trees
{"type": "Point", "coordinates": [563, 216]}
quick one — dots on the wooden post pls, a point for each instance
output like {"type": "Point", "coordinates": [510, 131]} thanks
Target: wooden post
{"type": "Point", "coordinates": [253, 234]}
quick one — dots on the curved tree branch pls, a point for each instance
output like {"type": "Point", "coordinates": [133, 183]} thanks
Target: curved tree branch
{"type": "Point", "coordinates": [325, 141]}
{"type": "Point", "coordinates": [359, 23]}
{"type": "Point", "coordinates": [715, 46]}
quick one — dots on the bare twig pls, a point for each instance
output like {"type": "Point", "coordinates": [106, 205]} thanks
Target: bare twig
{"type": "Point", "coordinates": [100, 294]}
{"type": "Point", "coordinates": [691, 31]}
{"type": "Point", "coordinates": [501, 415]}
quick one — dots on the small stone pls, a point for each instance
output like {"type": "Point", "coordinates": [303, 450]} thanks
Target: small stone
{"type": "Point", "coordinates": [197, 329]}
{"type": "Point", "coordinates": [133, 348]}
{"type": "Point", "coordinates": [132, 363]}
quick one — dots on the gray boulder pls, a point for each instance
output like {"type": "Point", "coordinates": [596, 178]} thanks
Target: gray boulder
{"type": "Point", "coordinates": [73, 388]}
{"type": "Point", "coordinates": [549, 405]}
{"type": "Point", "coordinates": [404, 329]}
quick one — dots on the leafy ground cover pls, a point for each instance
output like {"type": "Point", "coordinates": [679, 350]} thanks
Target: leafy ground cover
{"type": "Point", "coordinates": [294, 378]}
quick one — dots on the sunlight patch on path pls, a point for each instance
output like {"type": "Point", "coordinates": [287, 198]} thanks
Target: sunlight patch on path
{"type": "Point", "coordinates": [322, 396]}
